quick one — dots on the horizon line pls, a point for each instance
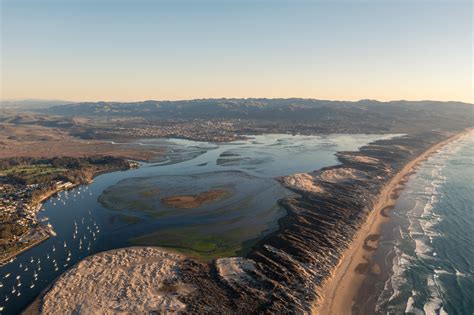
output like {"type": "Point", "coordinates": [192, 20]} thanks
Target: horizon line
{"type": "Point", "coordinates": [229, 98]}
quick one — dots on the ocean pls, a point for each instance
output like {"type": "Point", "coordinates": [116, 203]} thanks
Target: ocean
{"type": "Point", "coordinates": [430, 252]}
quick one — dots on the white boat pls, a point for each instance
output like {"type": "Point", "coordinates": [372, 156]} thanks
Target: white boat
{"type": "Point", "coordinates": [26, 268]}
{"type": "Point", "coordinates": [68, 259]}
{"type": "Point", "coordinates": [1, 308]}
{"type": "Point", "coordinates": [18, 294]}
{"type": "Point", "coordinates": [11, 260]}
{"type": "Point", "coordinates": [32, 260]}
{"type": "Point", "coordinates": [17, 277]}
{"type": "Point", "coordinates": [1, 285]}
{"type": "Point", "coordinates": [13, 290]}
{"type": "Point", "coordinates": [65, 265]}
{"type": "Point", "coordinates": [39, 268]}
{"type": "Point", "coordinates": [6, 298]}
{"type": "Point", "coordinates": [47, 256]}
{"type": "Point", "coordinates": [32, 285]}
{"type": "Point", "coordinates": [39, 261]}
{"type": "Point", "coordinates": [6, 276]}
{"type": "Point", "coordinates": [65, 244]}
{"type": "Point", "coordinates": [56, 268]}
{"type": "Point", "coordinates": [35, 275]}
{"type": "Point", "coordinates": [19, 284]}
{"type": "Point", "coordinates": [21, 265]}
{"type": "Point", "coordinates": [54, 248]}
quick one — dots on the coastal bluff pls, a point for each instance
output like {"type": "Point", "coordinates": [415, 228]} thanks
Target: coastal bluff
{"type": "Point", "coordinates": [283, 273]}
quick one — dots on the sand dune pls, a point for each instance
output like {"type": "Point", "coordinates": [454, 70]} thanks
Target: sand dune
{"type": "Point", "coordinates": [132, 280]}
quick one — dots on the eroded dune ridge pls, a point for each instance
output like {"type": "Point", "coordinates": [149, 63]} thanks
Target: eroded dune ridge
{"type": "Point", "coordinates": [283, 273]}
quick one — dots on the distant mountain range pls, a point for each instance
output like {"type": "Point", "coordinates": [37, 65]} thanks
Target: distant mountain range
{"type": "Point", "coordinates": [433, 114]}
{"type": "Point", "coordinates": [31, 103]}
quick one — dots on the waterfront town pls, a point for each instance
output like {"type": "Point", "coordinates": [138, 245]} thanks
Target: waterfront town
{"type": "Point", "coordinates": [20, 227]}
{"type": "Point", "coordinates": [26, 183]}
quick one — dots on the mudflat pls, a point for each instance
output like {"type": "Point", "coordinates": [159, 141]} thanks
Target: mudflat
{"type": "Point", "coordinates": [194, 201]}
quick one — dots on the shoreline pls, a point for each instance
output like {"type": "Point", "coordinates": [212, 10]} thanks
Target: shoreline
{"type": "Point", "coordinates": [43, 229]}
{"type": "Point", "coordinates": [346, 278]}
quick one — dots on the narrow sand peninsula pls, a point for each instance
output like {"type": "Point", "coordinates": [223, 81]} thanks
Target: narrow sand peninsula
{"type": "Point", "coordinates": [340, 290]}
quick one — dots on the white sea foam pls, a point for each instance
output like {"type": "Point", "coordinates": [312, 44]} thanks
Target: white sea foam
{"type": "Point", "coordinates": [410, 307]}
{"type": "Point", "coordinates": [434, 303]}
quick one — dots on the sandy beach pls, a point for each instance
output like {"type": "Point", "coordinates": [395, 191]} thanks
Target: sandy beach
{"type": "Point", "coordinates": [340, 290]}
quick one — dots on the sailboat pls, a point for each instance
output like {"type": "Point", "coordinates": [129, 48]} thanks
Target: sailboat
{"type": "Point", "coordinates": [6, 298]}
{"type": "Point", "coordinates": [65, 244]}
{"type": "Point", "coordinates": [26, 268]}
{"type": "Point", "coordinates": [32, 260]}
{"type": "Point", "coordinates": [54, 248]}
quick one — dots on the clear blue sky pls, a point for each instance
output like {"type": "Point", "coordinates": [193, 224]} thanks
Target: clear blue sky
{"type": "Point", "coordinates": [135, 50]}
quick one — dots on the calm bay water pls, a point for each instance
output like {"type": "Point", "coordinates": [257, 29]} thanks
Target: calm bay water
{"type": "Point", "coordinates": [433, 251]}
{"type": "Point", "coordinates": [84, 227]}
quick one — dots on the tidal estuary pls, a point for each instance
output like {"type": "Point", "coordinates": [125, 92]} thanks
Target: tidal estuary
{"type": "Point", "coordinates": [205, 200]}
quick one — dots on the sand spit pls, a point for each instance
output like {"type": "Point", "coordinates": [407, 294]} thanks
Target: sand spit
{"type": "Point", "coordinates": [132, 281]}
{"type": "Point", "coordinates": [356, 262]}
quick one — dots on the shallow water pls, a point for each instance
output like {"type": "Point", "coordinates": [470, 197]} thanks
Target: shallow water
{"type": "Point", "coordinates": [85, 227]}
{"type": "Point", "coordinates": [432, 262]}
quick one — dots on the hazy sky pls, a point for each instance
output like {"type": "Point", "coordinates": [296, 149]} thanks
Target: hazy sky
{"type": "Point", "coordinates": [137, 50]}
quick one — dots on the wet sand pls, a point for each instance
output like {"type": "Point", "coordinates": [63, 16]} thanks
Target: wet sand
{"type": "Point", "coordinates": [194, 201]}
{"type": "Point", "coordinates": [357, 262]}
